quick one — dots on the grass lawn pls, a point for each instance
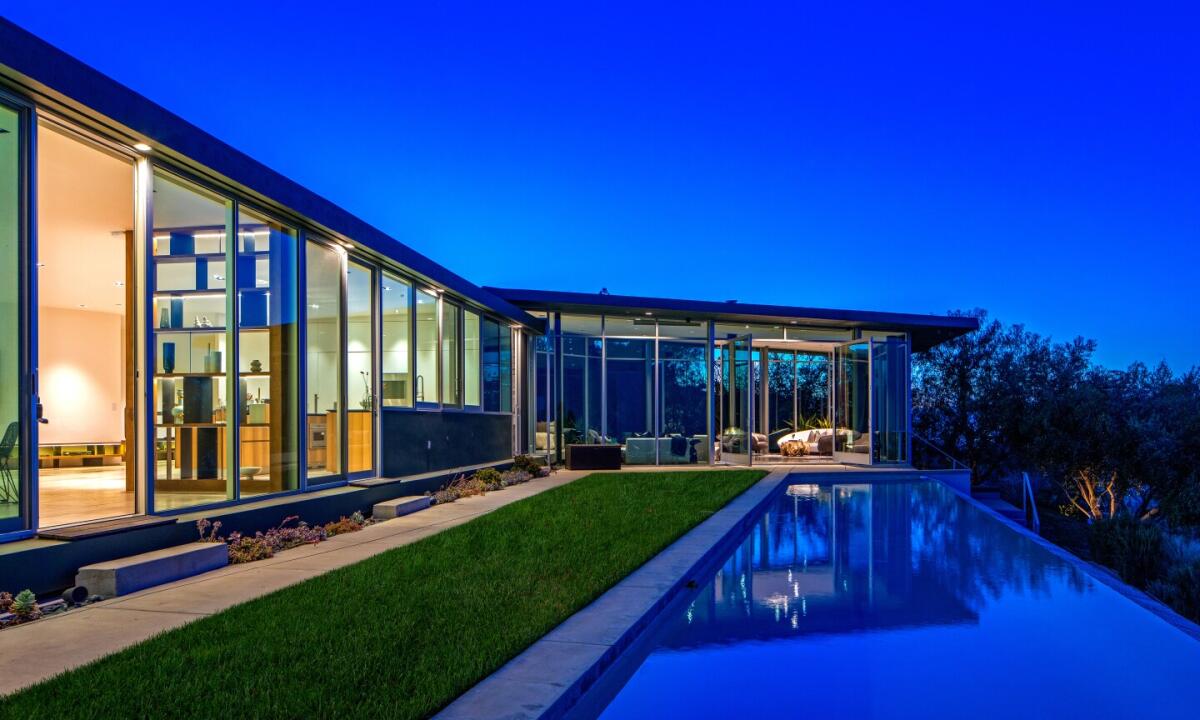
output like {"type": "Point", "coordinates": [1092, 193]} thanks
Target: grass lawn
{"type": "Point", "coordinates": [402, 634]}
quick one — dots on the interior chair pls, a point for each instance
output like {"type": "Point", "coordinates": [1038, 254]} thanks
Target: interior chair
{"type": "Point", "coordinates": [8, 479]}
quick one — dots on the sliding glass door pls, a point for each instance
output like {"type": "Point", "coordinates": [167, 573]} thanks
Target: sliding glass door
{"type": "Point", "coordinates": [851, 404]}
{"type": "Point", "coordinates": [16, 434]}
{"type": "Point", "coordinates": [738, 435]}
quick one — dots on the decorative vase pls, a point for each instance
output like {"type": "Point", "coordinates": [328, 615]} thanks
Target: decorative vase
{"type": "Point", "coordinates": [255, 366]}
{"type": "Point", "coordinates": [168, 357]}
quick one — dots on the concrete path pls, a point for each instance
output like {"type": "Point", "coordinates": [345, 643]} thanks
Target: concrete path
{"type": "Point", "coordinates": [34, 652]}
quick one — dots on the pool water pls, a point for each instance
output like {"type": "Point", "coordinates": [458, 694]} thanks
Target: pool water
{"type": "Point", "coordinates": [902, 600]}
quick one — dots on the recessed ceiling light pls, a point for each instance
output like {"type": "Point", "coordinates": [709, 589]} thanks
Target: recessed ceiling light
{"type": "Point", "coordinates": [315, 306]}
{"type": "Point", "coordinates": [82, 305]}
{"type": "Point", "coordinates": [142, 147]}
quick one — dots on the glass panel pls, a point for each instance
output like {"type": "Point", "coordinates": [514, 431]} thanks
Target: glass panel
{"type": "Point", "coordinates": [360, 368]}
{"type": "Point", "coordinates": [629, 327]}
{"type": "Point", "coordinates": [737, 431]}
{"type": "Point", "coordinates": [682, 397]}
{"type": "Point", "coordinates": [889, 383]}
{"type": "Point", "coordinates": [581, 389]}
{"type": "Point", "coordinates": [191, 360]}
{"type": "Point", "coordinates": [781, 397]}
{"type": "Point", "coordinates": [426, 386]}
{"type": "Point", "coordinates": [10, 317]}
{"type": "Point", "coordinates": [268, 355]}
{"type": "Point", "coordinates": [397, 313]}
{"type": "Point", "coordinates": [630, 383]}
{"type": "Point", "coordinates": [851, 411]}
{"type": "Point", "coordinates": [471, 350]}
{"type": "Point", "coordinates": [812, 403]}
{"type": "Point", "coordinates": [85, 362]}
{"type": "Point", "coordinates": [450, 359]}
{"type": "Point", "coordinates": [544, 431]}
{"type": "Point", "coordinates": [323, 294]}
{"type": "Point", "coordinates": [491, 365]}
{"type": "Point", "coordinates": [506, 336]}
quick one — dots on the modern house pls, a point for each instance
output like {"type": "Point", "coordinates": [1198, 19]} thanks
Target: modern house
{"type": "Point", "coordinates": [187, 333]}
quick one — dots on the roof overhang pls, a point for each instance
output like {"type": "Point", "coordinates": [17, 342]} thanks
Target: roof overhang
{"type": "Point", "coordinates": [926, 331]}
{"type": "Point", "coordinates": [82, 94]}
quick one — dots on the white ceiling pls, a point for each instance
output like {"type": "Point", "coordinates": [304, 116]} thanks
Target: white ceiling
{"type": "Point", "coordinates": [85, 205]}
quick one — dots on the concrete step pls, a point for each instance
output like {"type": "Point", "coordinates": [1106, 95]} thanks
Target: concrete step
{"type": "Point", "coordinates": [401, 506]}
{"type": "Point", "coordinates": [137, 572]}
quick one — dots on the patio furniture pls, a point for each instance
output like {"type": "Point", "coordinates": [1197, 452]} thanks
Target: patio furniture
{"type": "Point", "coordinates": [593, 457]}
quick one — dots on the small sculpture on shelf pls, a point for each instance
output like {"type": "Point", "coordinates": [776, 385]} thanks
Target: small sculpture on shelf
{"type": "Point", "coordinates": [255, 366]}
{"type": "Point", "coordinates": [367, 399]}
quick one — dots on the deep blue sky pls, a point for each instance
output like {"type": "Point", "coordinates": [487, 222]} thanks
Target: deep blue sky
{"type": "Point", "coordinates": [1041, 162]}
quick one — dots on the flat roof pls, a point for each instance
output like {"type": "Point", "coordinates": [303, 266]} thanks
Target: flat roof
{"type": "Point", "coordinates": [80, 93]}
{"type": "Point", "coordinates": [925, 330]}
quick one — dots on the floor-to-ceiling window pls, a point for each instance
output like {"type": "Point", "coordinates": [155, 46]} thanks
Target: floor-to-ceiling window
{"type": "Point", "coordinates": [851, 406]}
{"type": "Point", "coordinates": [889, 409]}
{"type": "Point", "coordinates": [629, 365]}
{"type": "Point", "coordinates": [10, 318]}
{"type": "Point", "coordinates": [426, 381]}
{"type": "Point", "coordinates": [581, 339]}
{"type": "Point", "coordinates": [397, 342]}
{"type": "Point", "coordinates": [360, 368]}
{"type": "Point", "coordinates": [268, 354]}
{"type": "Point", "coordinates": [780, 410]}
{"type": "Point", "coordinates": [323, 410]}
{"type": "Point", "coordinates": [683, 388]}
{"type": "Point", "coordinates": [190, 313]}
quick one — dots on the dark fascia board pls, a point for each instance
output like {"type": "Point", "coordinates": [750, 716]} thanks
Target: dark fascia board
{"type": "Point", "coordinates": [82, 93]}
{"type": "Point", "coordinates": [926, 330]}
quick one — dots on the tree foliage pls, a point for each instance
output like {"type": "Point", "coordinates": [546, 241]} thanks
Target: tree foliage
{"type": "Point", "coordinates": [1116, 442]}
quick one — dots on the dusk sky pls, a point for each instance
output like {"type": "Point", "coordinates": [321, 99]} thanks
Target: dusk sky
{"type": "Point", "coordinates": [1040, 162]}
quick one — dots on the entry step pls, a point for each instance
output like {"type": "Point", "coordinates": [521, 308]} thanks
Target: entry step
{"type": "Point", "coordinates": [138, 572]}
{"type": "Point", "coordinates": [401, 506]}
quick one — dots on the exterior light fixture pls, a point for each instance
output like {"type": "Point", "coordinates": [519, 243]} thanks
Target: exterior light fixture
{"type": "Point", "coordinates": [142, 147]}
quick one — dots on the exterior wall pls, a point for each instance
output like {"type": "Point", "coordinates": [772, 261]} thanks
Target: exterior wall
{"type": "Point", "coordinates": [421, 442]}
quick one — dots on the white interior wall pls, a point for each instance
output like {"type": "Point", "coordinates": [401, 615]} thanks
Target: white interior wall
{"type": "Point", "coordinates": [80, 355]}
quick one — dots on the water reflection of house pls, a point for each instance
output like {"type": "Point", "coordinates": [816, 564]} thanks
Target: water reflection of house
{"type": "Point", "coordinates": [841, 559]}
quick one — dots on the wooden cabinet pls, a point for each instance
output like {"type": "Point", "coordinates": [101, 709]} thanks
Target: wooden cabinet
{"type": "Point", "coordinates": [360, 442]}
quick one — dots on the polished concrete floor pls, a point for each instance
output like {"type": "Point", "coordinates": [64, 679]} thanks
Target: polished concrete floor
{"type": "Point", "coordinates": [74, 495]}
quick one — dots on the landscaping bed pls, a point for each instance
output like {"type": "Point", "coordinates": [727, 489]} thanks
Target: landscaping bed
{"type": "Point", "coordinates": [403, 633]}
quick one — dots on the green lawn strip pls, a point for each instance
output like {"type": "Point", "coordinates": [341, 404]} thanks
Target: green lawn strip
{"type": "Point", "coordinates": [402, 634]}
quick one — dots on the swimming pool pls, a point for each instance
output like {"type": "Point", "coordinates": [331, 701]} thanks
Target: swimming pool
{"type": "Point", "coordinates": [901, 600]}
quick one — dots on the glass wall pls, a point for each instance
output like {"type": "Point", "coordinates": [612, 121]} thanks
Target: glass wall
{"type": "Point", "coordinates": [780, 407]}
{"type": "Point", "coordinates": [581, 380]}
{"type": "Point", "coordinates": [360, 368]}
{"type": "Point", "coordinates": [397, 342]}
{"type": "Point", "coordinates": [889, 389]}
{"type": "Point", "coordinates": [10, 319]}
{"type": "Point", "coordinates": [323, 294]}
{"type": "Point", "coordinates": [426, 382]}
{"type": "Point", "coordinates": [683, 390]}
{"type": "Point", "coordinates": [471, 358]}
{"type": "Point", "coordinates": [812, 389]}
{"type": "Point", "coordinates": [190, 310]}
{"type": "Point", "coordinates": [629, 366]}
{"type": "Point", "coordinates": [851, 405]}
{"type": "Point", "coordinates": [451, 362]}
{"type": "Point", "coordinates": [268, 355]}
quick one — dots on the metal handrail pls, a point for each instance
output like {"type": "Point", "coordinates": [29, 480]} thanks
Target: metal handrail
{"type": "Point", "coordinates": [1029, 505]}
{"type": "Point", "coordinates": [955, 463]}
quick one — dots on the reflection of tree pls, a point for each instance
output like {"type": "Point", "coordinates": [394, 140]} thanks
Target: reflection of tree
{"type": "Point", "coordinates": [850, 557]}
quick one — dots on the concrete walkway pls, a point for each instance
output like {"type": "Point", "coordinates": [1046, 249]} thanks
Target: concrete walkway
{"type": "Point", "coordinates": [39, 650]}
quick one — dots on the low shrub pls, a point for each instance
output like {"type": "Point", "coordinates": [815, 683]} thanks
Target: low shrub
{"type": "Point", "coordinates": [1136, 551]}
{"type": "Point", "coordinates": [354, 523]}
{"type": "Point", "coordinates": [490, 478]}
{"type": "Point", "coordinates": [1180, 588]}
{"type": "Point", "coordinates": [514, 477]}
{"type": "Point", "coordinates": [527, 464]}
{"type": "Point", "coordinates": [6, 601]}
{"type": "Point", "coordinates": [260, 546]}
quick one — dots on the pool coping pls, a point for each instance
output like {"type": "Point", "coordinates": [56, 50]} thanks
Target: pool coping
{"type": "Point", "coordinates": [1097, 572]}
{"type": "Point", "coordinates": [547, 679]}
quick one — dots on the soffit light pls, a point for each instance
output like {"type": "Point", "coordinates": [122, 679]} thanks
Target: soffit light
{"type": "Point", "coordinates": [142, 147]}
